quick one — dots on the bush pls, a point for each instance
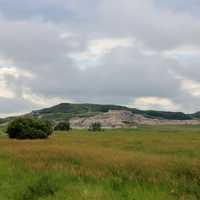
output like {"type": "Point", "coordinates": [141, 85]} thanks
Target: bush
{"type": "Point", "coordinates": [95, 127]}
{"type": "Point", "coordinates": [42, 188]}
{"type": "Point", "coordinates": [29, 128]}
{"type": "Point", "coordinates": [62, 126]}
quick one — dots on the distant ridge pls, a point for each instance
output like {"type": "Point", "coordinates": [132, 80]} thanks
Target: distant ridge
{"type": "Point", "coordinates": [68, 110]}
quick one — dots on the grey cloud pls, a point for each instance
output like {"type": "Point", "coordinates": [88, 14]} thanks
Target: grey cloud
{"type": "Point", "coordinates": [14, 106]}
{"type": "Point", "coordinates": [49, 10]}
{"type": "Point", "coordinates": [35, 44]}
{"type": "Point", "coordinates": [190, 7]}
{"type": "Point", "coordinates": [159, 29]}
{"type": "Point", "coordinates": [123, 73]}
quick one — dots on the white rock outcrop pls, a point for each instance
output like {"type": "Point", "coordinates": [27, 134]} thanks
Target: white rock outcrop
{"type": "Point", "coordinates": [124, 119]}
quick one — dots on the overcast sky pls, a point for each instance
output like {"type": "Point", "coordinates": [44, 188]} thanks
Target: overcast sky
{"type": "Point", "coordinates": [139, 53]}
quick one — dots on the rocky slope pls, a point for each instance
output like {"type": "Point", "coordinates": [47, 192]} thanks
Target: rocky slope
{"type": "Point", "coordinates": [125, 119]}
{"type": "Point", "coordinates": [67, 110]}
{"type": "Point", "coordinates": [81, 115]}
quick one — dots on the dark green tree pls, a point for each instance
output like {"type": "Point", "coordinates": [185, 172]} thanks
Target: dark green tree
{"type": "Point", "coordinates": [96, 126]}
{"type": "Point", "coordinates": [62, 126]}
{"type": "Point", "coordinates": [29, 128]}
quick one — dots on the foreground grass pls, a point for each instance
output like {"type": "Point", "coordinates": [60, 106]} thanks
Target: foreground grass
{"type": "Point", "coordinates": [159, 163]}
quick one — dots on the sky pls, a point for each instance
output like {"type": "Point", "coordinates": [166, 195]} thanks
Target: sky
{"type": "Point", "coordinates": [137, 53]}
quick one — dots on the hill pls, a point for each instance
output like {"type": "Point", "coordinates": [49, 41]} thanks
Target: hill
{"type": "Point", "coordinates": [125, 119]}
{"type": "Point", "coordinates": [67, 110]}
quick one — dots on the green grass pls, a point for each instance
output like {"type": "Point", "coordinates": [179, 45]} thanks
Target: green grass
{"type": "Point", "coordinates": [2, 132]}
{"type": "Point", "coordinates": [148, 163]}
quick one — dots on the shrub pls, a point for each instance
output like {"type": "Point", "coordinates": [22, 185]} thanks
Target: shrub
{"type": "Point", "coordinates": [29, 128]}
{"type": "Point", "coordinates": [62, 126]}
{"type": "Point", "coordinates": [46, 126]}
{"type": "Point", "coordinates": [95, 127]}
{"type": "Point", "coordinates": [42, 188]}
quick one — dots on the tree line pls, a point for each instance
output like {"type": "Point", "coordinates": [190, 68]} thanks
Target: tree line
{"type": "Point", "coordinates": [34, 128]}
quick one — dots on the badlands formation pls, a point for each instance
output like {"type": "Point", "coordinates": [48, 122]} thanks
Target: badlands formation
{"type": "Point", "coordinates": [125, 119]}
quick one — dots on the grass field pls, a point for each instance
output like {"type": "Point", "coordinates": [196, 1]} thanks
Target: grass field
{"type": "Point", "coordinates": [148, 163]}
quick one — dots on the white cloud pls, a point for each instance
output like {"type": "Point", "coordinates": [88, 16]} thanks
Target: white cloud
{"type": "Point", "coordinates": [97, 49]}
{"type": "Point", "coordinates": [191, 87]}
{"type": "Point", "coordinates": [5, 90]}
{"type": "Point", "coordinates": [3, 115]}
{"type": "Point", "coordinates": [41, 101]}
{"type": "Point", "coordinates": [5, 61]}
{"type": "Point", "coordinates": [138, 53]}
{"type": "Point", "coordinates": [183, 53]}
{"type": "Point", "coordinates": [158, 103]}
{"type": "Point", "coordinates": [15, 72]}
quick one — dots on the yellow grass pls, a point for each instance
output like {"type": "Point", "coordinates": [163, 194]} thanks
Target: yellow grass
{"type": "Point", "coordinates": [132, 155]}
{"type": "Point", "coordinates": [166, 158]}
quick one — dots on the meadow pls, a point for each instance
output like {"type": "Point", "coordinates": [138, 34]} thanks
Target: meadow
{"type": "Point", "coordinates": [147, 163]}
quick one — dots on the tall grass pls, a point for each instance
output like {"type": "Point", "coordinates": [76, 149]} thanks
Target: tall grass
{"type": "Point", "coordinates": [145, 163]}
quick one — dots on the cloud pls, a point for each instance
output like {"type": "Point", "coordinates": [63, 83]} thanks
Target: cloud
{"type": "Point", "coordinates": [8, 74]}
{"type": "Point", "coordinates": [15, 73]}
{"type": "Point", "coordinates": [184, 53]}
{"type": "Point", "coordinates": [158, 28]}
{"type": "Point", "coordinates": [129, 50]}
{"type": "Point", "coordinates": [4, 91]}
{"type": "Point", "coordinates": [159, 103]}
{"type": "Point", "coordinates": [191, 7]}
{"type": "Point", "coordinates": [41, 101]}
{"type": "Point", "coordinates": [9, 106]}
{"type": "Point", "coordinates": [97, 49]}
{"type": "Point", "coordinates": [191, 87]}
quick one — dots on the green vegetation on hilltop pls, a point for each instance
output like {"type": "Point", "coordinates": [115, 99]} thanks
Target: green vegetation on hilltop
{"type": "Point", "coordinates": [67, 110]}
{"type": "Point", "coordinates": [80, 108]}
{"type": "Point", "coordinates": [168, 115]}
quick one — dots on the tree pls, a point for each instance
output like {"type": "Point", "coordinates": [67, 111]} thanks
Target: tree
{"type": "Point", "coordinates": [62, 126]}
{"type": "Point", "coordinates": [96, 126]}
{"type": "Point", "coordinates": [29, 128]}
